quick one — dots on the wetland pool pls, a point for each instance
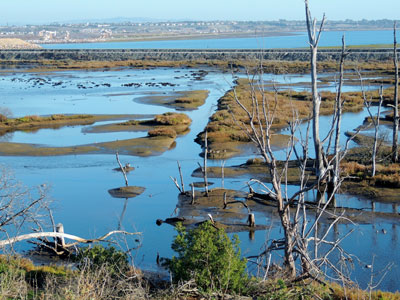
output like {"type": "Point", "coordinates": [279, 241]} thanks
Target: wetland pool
{"type": "Point", "coordinates": [80, 183]}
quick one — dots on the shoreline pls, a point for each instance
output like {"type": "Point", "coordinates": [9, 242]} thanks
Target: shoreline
{"type": "Point", "coordinates": [161, 37]}
{"type": "Point", "coordinates": [178, 37]}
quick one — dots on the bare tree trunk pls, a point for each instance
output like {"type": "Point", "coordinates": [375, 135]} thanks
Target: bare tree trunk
{"type": "Point", "coordinates": [374, 120]}
{"type": "Point", "coordinates": [376, 125]}
{"type": "Point", "coordinates": [333, 184]}
{"type": "Point", "coordinates": [180, 174]}
{"type": "Point", "coordinates": [205, 162]}
{"type": "Point", "coordinates": [225, 204]}
{"type": "Point", "coordinates": [289, 244]}
{"type": "Point", "coordinates": [314, 37]}
{"type": "Point", "coordinates": [122, 169]}
{"type": "Point", "coordinates": [395, 151]}
{"type": "Point", "coordinates": [193, 194]}
{"type": "Point", "coordinates": [223, 174]}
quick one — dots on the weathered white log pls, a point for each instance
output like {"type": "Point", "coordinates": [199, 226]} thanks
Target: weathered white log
{"type": "Point", "coordinates": [78, 239]}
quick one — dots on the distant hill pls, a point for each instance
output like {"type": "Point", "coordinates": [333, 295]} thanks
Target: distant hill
{"type": "Point", "coordinates": [6, 43]}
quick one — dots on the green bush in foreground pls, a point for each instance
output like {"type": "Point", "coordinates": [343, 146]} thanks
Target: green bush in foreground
{"type": "Point", "coordinates": [208, 256]}
{"type": "Point", "coordinates": [98, 256]}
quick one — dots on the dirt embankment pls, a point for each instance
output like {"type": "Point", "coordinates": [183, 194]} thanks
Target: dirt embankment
{"type": "Point", "coordinates": [17, 44]}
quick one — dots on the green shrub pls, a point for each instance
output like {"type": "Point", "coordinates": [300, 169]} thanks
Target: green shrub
{"type": "Point", "coordinates": [208, 256]}
{"type": "Point", "coordinates": [98, 256]}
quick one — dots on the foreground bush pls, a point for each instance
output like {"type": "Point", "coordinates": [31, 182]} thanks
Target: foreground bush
{"type": "Point", "coordinates": [210, 258]}
{"type": "Point", "coordinates": [98, 256]}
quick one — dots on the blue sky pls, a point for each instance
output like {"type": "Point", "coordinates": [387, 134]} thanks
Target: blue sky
{"type": "Point", "coordinates": [44, 11]}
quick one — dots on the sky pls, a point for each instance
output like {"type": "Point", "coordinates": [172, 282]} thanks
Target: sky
{"type": "Point", "coordinates": [46, 11]}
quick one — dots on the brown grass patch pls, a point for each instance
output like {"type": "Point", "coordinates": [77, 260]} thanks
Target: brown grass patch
{"type": "Point", "coordinates": [162, 131]}
{"type": "Point", "coordinates": [172, 119]}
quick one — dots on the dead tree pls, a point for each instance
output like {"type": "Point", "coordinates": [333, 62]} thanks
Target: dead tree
{"type": "Point", "coordinates": [23, 216]}
{"type": "Point", "coordinates": [395, 151]}
{"type": "Point", "coordinates": [21, 209]}
{"type": "Point", "coordinates": [376, 126]}
{"type": "Point", "coordinates": [204, 167]}
{"type": "Point", "coordinates": [181, 188]}
{"type": "Point", "coordinates": [193, 194]}
{"type": "Point", "coordinates": [205, 162]}
{"type": "Point", "coordinates": [122, 169]}
{"type": "Point", "coordinates": [299, 232]}
{"type": "Point", "coordinates": [374, 120]}
{"type": "Point", "coordinates": [314, 37]}
{"type": "Point", "coordinates": [334, 172]}
{"type": "Point", "coordinates": [181, 176]}
{"type": "Point", "coordinates": [261, 114]}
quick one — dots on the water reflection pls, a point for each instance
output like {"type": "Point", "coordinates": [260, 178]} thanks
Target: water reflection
{"type": "Point", "coordinates": [7, 137]}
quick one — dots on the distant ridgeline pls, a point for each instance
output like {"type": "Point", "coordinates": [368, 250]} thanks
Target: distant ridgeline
{"type": "Point", "coordinates": [333, 54]}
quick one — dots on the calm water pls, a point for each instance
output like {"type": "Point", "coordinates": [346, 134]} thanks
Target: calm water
{"type": "Point", "coordinates": [297, 40]}
{"type": "Point", "coordinates": [79, 184]}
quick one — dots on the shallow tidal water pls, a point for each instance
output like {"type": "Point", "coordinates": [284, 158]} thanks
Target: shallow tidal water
{"type": "Point", "coordinates": [80, 184]}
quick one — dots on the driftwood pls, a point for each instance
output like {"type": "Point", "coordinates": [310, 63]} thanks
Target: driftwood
{"type": "Point", "coordinates": [60, 235]}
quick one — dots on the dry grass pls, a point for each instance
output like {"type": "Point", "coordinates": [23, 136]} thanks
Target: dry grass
{"type": "Point", "coordinates": [353, 168]}
{"type": "Point", "coordinates": [163, 131]}
{"type": "Point", "coordinates": [190, 99]}
{"type": "Point", "coordinates": [172, 119]}
{"type": "Point", "coordinates": [98, 283]}
{"type": "Point", "coordinates": [276, 67]}
{"type": "Point", "coordinates": [387, 175]}
{"type": "Point", "coordinates": [354, 293]}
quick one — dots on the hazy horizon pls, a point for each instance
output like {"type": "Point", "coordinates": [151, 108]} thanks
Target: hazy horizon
{"type": "Point", "coordinates": [19, 12]}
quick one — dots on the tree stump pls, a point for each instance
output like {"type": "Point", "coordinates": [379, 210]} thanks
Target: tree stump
{"type": "Point", "coordinates": [251, 220]}
{"type": "Point", "coordinates": [60, 240]}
